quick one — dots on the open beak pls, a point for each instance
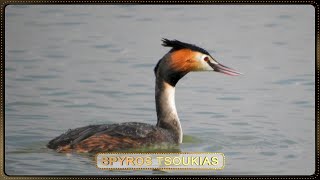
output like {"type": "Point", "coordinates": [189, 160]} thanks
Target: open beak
{"type": "Point", "coordinates": [224, 69]}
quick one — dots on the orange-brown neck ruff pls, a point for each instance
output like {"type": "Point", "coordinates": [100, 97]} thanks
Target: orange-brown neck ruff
{"type": "Point", "coordinates": [176, 64]}
{"type": "Point", "coordinates": [183, 61]}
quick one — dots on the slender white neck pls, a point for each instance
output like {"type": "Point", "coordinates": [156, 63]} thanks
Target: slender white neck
{"type": "Point", "coordinates": [166, 108]}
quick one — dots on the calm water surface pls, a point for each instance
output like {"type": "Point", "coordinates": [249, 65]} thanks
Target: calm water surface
{"type": "Point", "coordinates": [71, 66]}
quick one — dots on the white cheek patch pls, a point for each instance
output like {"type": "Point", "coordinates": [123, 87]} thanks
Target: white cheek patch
{"type": "Point", "coordinates": [203, 65]}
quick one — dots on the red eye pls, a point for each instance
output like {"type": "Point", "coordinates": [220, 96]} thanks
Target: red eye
{"type": "Point", "coordinates": [206, 59]}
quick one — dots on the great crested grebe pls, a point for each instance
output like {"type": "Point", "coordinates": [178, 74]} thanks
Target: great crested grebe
{"type": "Point", "coordinates": [181, 59]}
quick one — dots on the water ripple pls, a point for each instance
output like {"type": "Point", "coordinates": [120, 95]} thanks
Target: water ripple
{"type": "Point", "coordinates": [25, 60]}
{"type": "Point", "coordinates": [25, 103]}
{"type": "Point", "coordinates": [42, 76]}
{"type": "Point", "coordinates": [16, 51]}
{"type": "Point", "coordinates": [268, 153]}
{"type": "Point", "coordinates": [103, 46]}
{"type": "Point", "coordinates": [230, 98]}
{"type": "Point", "coordinates": [86, 105]}
{"type": "Point", "coordinates": [290, 81]}
{"type": "Point", "coordinates": [86, 81]}
{"type": "Point", "coordinates": [68, 23]}
{"type": "Point", "coordinates": [56, 56]}
{"type": "Point", "coordinates": [61, 93]}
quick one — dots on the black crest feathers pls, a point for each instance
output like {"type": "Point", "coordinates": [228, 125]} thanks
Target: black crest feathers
{"type": "Point", "coordinates": [177, 45]}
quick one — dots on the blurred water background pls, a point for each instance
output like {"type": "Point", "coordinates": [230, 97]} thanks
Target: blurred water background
{"type": "Point", "coordinates": [71, 66]}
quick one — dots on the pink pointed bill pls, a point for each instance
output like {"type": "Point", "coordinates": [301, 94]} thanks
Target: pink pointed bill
{"type": "Point", "coordinates": [224, 69]}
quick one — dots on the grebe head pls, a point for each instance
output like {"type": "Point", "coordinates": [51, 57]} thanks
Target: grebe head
{"type": "Point", "coordinates": [184, 58]}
